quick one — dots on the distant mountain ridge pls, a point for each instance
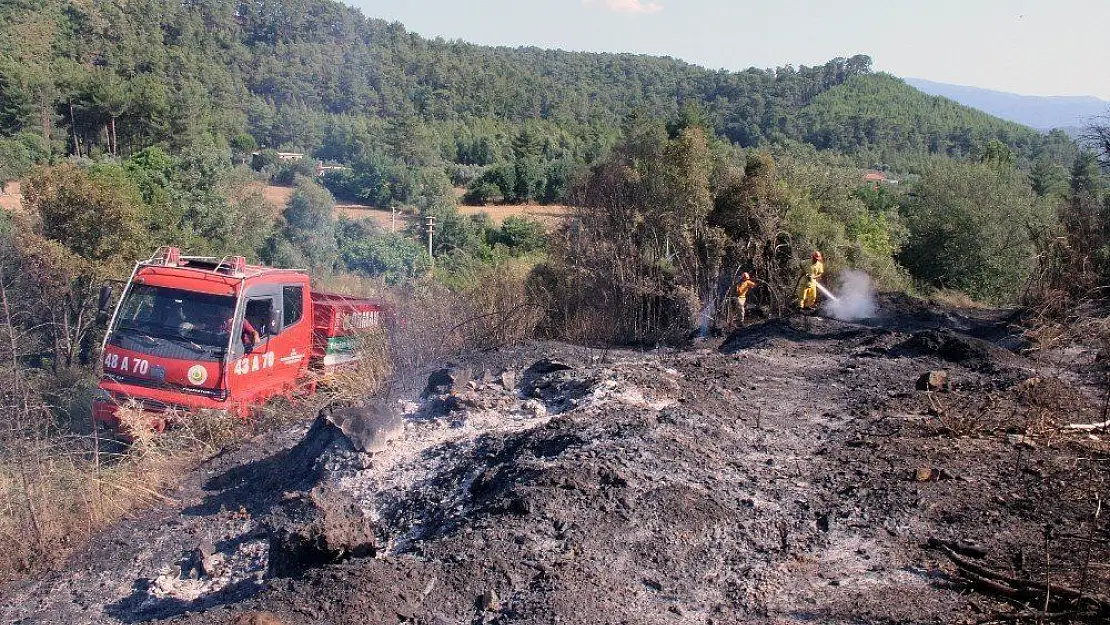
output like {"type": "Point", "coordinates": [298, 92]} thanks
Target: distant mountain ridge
{"type": "Point", "coordinates": [1040, 112]}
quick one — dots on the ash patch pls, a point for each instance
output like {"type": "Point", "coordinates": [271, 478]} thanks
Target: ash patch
{"type": "Point", "coordinates": [211, 574]}
{"type": "Point", "coordinates": [557, 384]}
{"type": "Point", "coordinates": [970, 352]}
{"type": "Point", "coordinates": [787, 477]}
{"type": "Point", "coordinates": [791, 331]}
{"type": "Point", "coordinates": [457, 445]}
{"type": "Point", "coordinates": [209, 579]}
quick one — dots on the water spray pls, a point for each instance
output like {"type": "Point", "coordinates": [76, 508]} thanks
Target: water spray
{"type": "Point", "coordinates": [826, 292]}
{"type": "Point", "coordinates": [857, 297]}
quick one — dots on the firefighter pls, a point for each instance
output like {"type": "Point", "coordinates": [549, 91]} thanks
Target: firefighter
{"type": "Point", "coordinates": [816, 272]}
{"type": "Point", "coordinates": [742, 287]}
{"type": "Point", "coordinates": [248, 335]}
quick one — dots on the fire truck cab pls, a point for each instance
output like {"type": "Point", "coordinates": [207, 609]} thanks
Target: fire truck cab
{"type": "Point", "coordinates": [205, 333]}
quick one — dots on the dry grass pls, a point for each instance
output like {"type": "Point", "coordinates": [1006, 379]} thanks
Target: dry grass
{"type": "Point", "coordinates": [551, 215]}
{"type": "Point", "coordinates": [354, 383]}
{"type": "Point", "coordinates": [276, 195]}
{"type": "Point", "coordinates": [955, 299]}
{"type": "Point", "coordinates": [381, 217]}
{"type": "Point", "coordinates": [57, 490]}
{"type": "Point", "coordinates": [435, 323]}
{"type": "Point", "coordinates": [1036, 407]}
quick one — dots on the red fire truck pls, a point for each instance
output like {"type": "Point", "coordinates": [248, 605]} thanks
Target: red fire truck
{"type": "Point", "coordinates": [193, 333]}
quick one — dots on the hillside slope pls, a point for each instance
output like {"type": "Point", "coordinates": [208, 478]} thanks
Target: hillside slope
{"type": "Point", "coordinates": [120, 75]}
{"type": "Point", "coordinates": [880, 109]}
{"type": "Point", "coordinates": [731, 483]}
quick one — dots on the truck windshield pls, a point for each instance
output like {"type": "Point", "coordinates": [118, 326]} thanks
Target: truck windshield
{"type": "Point", "coordinates": [198, 320]}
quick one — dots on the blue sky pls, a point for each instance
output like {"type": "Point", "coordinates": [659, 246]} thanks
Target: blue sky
{"type": "Point", "coordinates": [1037, 47]}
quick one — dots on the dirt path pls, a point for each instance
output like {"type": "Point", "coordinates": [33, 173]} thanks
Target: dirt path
{"type": "Point", "coordinates": [774, 478]}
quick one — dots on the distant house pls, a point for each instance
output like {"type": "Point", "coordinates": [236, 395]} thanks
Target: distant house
{"type": "Point", "coordinates": [290, 156]}
{"type": "Point", "coordinates": [876, 178]}
{"type": "Point", "coordinates": [322, 169]}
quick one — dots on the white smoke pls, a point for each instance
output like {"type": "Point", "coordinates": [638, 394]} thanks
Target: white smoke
{"type": "Point", "coordinates": [855, 299]}
{"type": "Point", "coordinates": [705, 317]}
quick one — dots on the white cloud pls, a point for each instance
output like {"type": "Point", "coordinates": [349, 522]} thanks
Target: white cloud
{"type": "Point", "coordinates": [625, 6]}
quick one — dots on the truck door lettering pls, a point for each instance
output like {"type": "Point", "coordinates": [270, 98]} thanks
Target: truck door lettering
{"type": "Point", "coordinates": [254, 362]}
{"type": "Point", "coordinates": [360, 320]}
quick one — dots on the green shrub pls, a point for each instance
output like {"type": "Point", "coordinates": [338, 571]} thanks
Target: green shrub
{"type": "Point", "coordinates": [392, 256]}
{"type": "Point", "coordinates": [971, 228]}
{"type": "Point", "coordinates": [521, 235]}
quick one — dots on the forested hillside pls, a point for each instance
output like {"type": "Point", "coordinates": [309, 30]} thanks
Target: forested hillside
{"type": "Point", "coordinates": [315, 75]}
{"type": "Point", "coordinates": [880, 110]}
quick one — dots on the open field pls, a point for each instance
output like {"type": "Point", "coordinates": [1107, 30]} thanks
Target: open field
{"type": "Point", "coordinates": [278, 196]}
{"type": "Point", "coordinates": [10, 201]}
{"type": "Point", "coordinates": [550, 215]}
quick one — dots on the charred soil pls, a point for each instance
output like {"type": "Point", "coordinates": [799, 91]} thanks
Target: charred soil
{"type": "Point", "coordinates": [789, 473]}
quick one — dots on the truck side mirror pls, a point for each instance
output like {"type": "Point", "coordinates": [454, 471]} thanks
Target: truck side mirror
{"type": "Point", "coordinates": [271, 321]}
{"type": "Point", "coordinates": [104, 302]}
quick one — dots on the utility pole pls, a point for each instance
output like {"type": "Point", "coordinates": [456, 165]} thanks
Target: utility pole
{"type": "Point", "coordinates": [431, 227]}
{"type": "Point", "coordinates": [393, 224]}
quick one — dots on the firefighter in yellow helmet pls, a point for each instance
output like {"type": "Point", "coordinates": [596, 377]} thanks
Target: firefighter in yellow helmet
{"type": "Point", "coordinates": [742, 287]}
{"type": "Point", "coordinates": [816, 272]}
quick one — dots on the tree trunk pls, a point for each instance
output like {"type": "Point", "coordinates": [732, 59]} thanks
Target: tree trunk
{"type": "Point", "coordinates": [115, 143]}
{"type": "Point", "coordinates": [73, 124]}
{"type": "Point", "coordinates": [45, 117]}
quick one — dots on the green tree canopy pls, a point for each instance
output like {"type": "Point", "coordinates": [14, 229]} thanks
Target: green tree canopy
{"type": "Point", "coordinates": [971, 228]}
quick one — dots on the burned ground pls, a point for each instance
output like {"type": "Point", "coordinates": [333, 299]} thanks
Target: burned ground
{"type": "Point", "coordinates": [789, 473]}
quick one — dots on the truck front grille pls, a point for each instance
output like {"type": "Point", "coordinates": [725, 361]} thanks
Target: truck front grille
{"type": "Point", "coordinates": [212, 393]}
